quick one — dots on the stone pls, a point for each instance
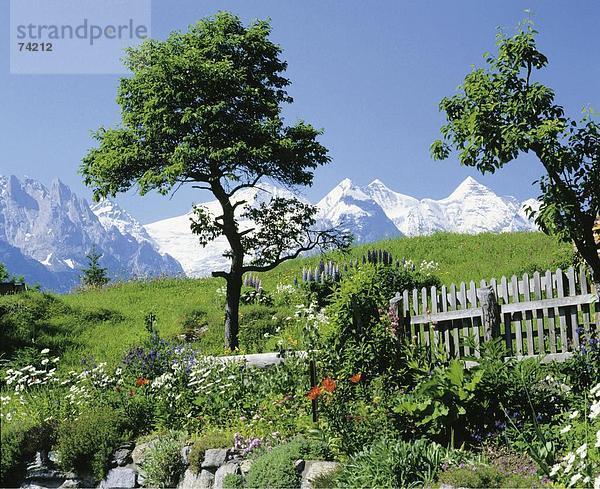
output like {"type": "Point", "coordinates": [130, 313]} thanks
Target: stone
{"type": "Point", "coordinates": [191, 480]}
{"type": "Point", "coordinates": [314, 469]}
{"type": "Point", "coordinates": [185, 454]}
{"type": "Point", "coordinates": [71, 484]}
{"type": "Point", "coordinates": [121, 457]}
{"type": "Point", "coordinates": [222, 471]}
{"type": "Point", "coordinates": [214, 458]}
{"type": "Point", "coordinates": [299, 465]}
{"type": "Point", "coordinates": [120, 478]}
{"type": "Point", "coordinates": [245, 466]}
{"type": "Point", "coordinates": [139, 452]}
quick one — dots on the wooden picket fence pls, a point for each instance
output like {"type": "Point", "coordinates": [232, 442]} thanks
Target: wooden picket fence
{"type": "Point", "coordinates": [544, 314]}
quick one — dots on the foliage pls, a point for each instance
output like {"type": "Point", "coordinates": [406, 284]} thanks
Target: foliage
{"type": "Point", "coordinates": [86, 443]}
{"type": "Point", "coordinates": [500, 112]}
{"type": "Point", "coordinates": [478, 475]}
{"type": "Point", "coordinates": [16, 451]}
{"type": "Point", "coordinates": [233, 481]}
{"type": "Point", "coordinates": [204, 441]}
{"type": "Point", "coordinates": [395, 463]}
{"type": "Point", "coordinates": [259, 323]}
{"type": "Point", "coordinates": [437, 406]}
{"type": "Point", "coordinates": [583, 368]}
{"type": "Point", "coordinates": [3, 273]}
{"type": "Point", "coordinates": [259, 296]}
{"type": "Point", "coordinates": [580, 435]}
{"type": "Point", "coordinates": [94, 275]}
{"type": "Point", "coordinates": [275, 468]}
{"type": "Point", "coordinates": [163, 463]}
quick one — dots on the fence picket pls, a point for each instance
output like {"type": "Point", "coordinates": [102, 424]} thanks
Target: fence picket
{"type": "Point", "coordinates": [528, 315]}
{"type": "Point", "coordinates": [550, 314]}
{"type": "Point", "coordinates": [445, 326]}
{"type": "Point", "coordinates": [507, 319]}
{"type": "Point", "coordinates": [462, 298]}
{"type": "Point", "coordinates": [476, 320]}
{"type": "Point", "coordinates": [573, 309]}
{"type": "Point", "coordinates": [455, 332]}
{"type": "Point", "coordinates": [537, 293]}
{"type": "Point", "coordinates": [585, 308]}
{"type": "Point", "coordinates": [426, 326]}
{"type": "Point", "coordinates": [517, 317]}
{"type": "Point", "coordinates": [562, 317]}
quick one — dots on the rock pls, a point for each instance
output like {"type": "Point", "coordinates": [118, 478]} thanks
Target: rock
{"type": "Point", "coordinates": [214, 457]}
{"type": "Point", "coordinates": [185, 454]}
{"type": "Point", "coordinates": [191, 480]}
{"type": "Point", "coordinates": [222, 471]}
{"type": "Point", "coordinates": [120, 478]}
{"type": "Point", "coordinates": [121, 457]}
{"type": "Point", "coordinates": [71, 484]}
{"type": "Point", "coordinates": [299, 465]}
{"type": "Point", "coordinates": [245, 466]}
{"type": "Point", "coordinates": [139, 452]}
{"type": "Point", "coordinates": [314, 469]}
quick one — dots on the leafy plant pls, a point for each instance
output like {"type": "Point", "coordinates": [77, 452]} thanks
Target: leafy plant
{"type": "Point", "coordinates": [94, 275]}
{"type": "Point", "coordinates": [394, 463]}
{"type": "Point", "coordinates": [438, 405]}
{"type": "Point", "coordinates": [86, 443]}
{"type": "Point", "coordinates": [476, 476]}
{"type": "Point", "coordinates": [163, 463]}
{"type": "Point", "coordinates": [233, 481]}
{"type": "Point", "coordinates": [275, 468]}
{"type": "Point", "coordinates": [208, 439]}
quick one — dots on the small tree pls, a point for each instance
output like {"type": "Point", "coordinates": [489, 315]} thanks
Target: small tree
{"type": "Point", "coordinates": [94, 275]}
{"type": "Point", "coordinates": [204, 107]}
{"type": "Point", "coordinates": [501, 112]}
{"type": "Point", "coordinates": [3, 273]}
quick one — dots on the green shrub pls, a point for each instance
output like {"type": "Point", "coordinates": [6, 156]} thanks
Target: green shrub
{"type": "Point", "coordinates": [86, 443]}
{"type": "Point", "coordinates": [256, 325]}
{"type": "Point", "coordinates": [16, 451]}
{"type": "Point", "coordinates": [275, 468]}
{"type": "Point", "coordinates": [394, 463]}
{"type": "Point", "coordinates": [209, 439]}
{"type": "Point", "coordinates": [233, 481]}
{"type": "Point", "coordinates": [476, 476]}
{"type": "Point", "coordinates": [163, 464]}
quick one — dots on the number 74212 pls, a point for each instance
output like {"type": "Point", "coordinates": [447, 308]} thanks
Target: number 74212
{"type": "Point", "coordinates": [35, 46]}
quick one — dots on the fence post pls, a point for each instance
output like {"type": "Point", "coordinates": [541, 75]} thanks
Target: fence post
{"type": "Point", "coordinates": [312, 367]}
{"type": "Point", "coordinates": [490, 317]}
{"type": "Point", "coordinates": [396, 309]}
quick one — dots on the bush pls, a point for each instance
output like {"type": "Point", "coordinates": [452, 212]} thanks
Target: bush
{"type": "Point", "coordinates": [163, 464]}
{"type": "Point", "coordinates": [256, 326]}
{"type": "Point", "coordinates": [395, 463]}
{"type": "Point", "coordinates": [16, 452]}
{"type": "Point", "coordinates": [275, 468]}
{"type": "Point", "coordinates": [233, 481]}
{"type": "Point", "coordinates": [209, 439]}
{"type": "Point", "coordinates": [86, 443]}
{"type": "Point", "coordinates": [476, 476]}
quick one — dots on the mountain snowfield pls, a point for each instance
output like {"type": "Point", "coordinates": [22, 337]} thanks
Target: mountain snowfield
{"type": "Point", "coordinates": [370, 213]}
{"type": "Point", "coordinates": [45, 233]}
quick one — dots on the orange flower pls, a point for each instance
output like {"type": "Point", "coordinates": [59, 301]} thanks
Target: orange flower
{"type": "Point", "coordinates": [328, 384]}
{"type": "Point", "coordinates": [140, 381]}
{"type": "Point", "coordinates": [355, 379]}
{"type": "Point", "coordinates": [313, 393]}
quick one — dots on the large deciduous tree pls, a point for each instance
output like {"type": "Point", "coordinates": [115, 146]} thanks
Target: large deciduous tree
{"type": "Point", "coordinates": [204, 108]}
{"type": "Point", "coordinates": [500, 111]}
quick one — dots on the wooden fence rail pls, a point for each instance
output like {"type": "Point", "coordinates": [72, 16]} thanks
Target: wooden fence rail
{"type": "Point", "coordinates": [544, 314]}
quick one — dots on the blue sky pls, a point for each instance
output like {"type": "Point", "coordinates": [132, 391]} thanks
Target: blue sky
{"type": "Point", "coordinates": [371, 73]}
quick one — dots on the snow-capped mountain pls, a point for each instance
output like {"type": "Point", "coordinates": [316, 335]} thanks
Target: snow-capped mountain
{"type": "Point", "coordinates": [349, 209]}
{"type": "Point", "coordinates": [471, 208]}
{"type": "Point", "coordinates": [370, 213]}
{"type": "Point", "coordinates": [46, 233]}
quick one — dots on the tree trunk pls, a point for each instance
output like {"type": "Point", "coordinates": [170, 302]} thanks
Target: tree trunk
{"type": "Point", "coordinates": [232, 310]}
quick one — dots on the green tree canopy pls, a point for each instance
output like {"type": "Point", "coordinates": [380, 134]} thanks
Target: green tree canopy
{"type": "Point", "coordinates": [94, 275]}
{"type": "Point", "coordinates": [204, 107]}
{"type": "Point", "coordinates": [3, 273]}
{"type": "Point", "coordinates": [501, 111]}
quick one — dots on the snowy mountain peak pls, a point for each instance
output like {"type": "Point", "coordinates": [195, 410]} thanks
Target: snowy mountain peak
{"type": "Point", "coordinates": [110, 214]}
{"type": "Point", "coordinates": [469, 187]}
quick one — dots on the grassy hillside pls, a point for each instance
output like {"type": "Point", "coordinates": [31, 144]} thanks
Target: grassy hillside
{"type": "Point", "coordinates": [103, 324]}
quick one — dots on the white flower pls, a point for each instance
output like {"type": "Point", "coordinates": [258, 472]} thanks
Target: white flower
{"type": "Point", "coordinates": [574, 479]}
{"type": "Point", "coordinates": [45, 361]}
{"type": "Point", "coordinates": [582, 451]}
{"type": "Point", "coordinates": [597, 445]}
{"type": "Point", "coordinates": [574, 414]}
{"type": "Point", "coordinates": [555, 469]}
{"type": "Point", "coordinates": [595, 389]}
{"type": "Point", "coordinates": [597, 482]}
{"type": "Point", "coordinates": [566, 429]}
{"type": "Point", "coordinates": [45, 351]}
{"type": "Point", "coordinates": [594, 410]}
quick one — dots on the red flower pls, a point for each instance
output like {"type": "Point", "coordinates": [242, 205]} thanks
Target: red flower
{"type": "Point", "coordinates": [313, 393]}
{"type": "Point", "coordinates": [140, 381]}
{"type": "Point", "coordinates": [328, 384]}
{"type": "Point", "coordinates": [355, 379]}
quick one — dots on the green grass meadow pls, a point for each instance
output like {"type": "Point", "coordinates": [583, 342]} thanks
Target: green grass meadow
{"type": "Point", "coordinates": [103, 324]}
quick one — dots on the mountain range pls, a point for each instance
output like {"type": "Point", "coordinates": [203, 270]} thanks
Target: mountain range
{"type": "Point", "coordinates": [45, 233]}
